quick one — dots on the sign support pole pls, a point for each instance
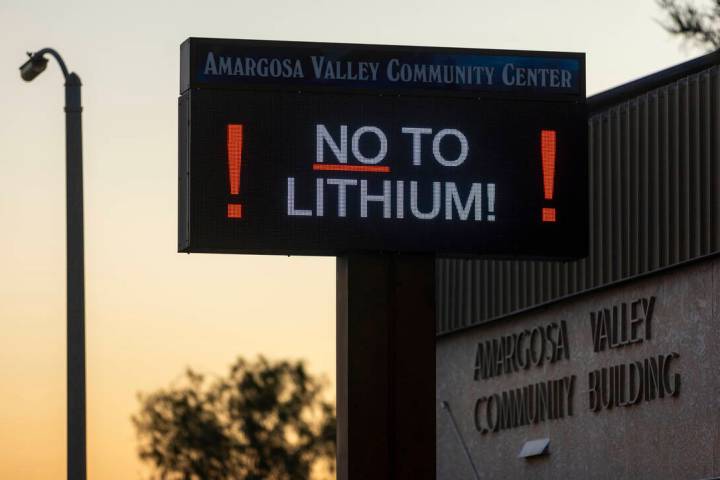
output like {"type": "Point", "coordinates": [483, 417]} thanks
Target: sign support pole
{"type": "Point", "coordinates": [386, 367]}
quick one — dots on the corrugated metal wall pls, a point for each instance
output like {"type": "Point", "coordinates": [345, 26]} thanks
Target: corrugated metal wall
{"type": "Point", "coordinates": [654, 191]}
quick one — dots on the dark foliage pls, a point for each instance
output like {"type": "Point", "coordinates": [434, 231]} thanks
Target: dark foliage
{"type": "Point", "coordinates": [266, 420]}
{"type": "Point", "coordinates": [697, 25]}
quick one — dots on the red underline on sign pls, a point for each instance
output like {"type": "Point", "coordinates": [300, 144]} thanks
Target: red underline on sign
{"type": "Point", "coordinates": [352, 168]}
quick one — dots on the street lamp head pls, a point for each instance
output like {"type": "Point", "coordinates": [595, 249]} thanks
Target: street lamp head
{"type": "Point", "coordinates": [34, 66]}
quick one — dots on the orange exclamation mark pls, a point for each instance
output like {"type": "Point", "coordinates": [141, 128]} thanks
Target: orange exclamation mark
{"type": "Point", "coordinates": [547, 150]}
{"type": "Point", "coordinates": [234, 153]}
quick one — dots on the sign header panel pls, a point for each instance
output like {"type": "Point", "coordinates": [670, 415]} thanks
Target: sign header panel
{"type": "Point", "coordinates": [337, 165]}
{"type": "Point", "coordinates": [294, 65]}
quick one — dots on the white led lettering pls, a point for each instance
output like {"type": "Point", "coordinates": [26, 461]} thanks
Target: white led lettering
{"type": "Point", "coordinates": [452, 197]}
{"type": "Point", "coordinates": [322, 136]}
{"type": "Point", "coordinates": [319, 198]}
{"type": "Point", "coordinates": [356, 145]}
{"type": "Point", "coordinates": [400, 199]}
{"type": "Point", "coordinates": [385, 198]}
{"type": "Point", "coordinates": [435, 202]}
{"type": "Point", "coordinates": [416, 141]}
{"type": "Point", "coordinates": [291, 201]}
{"type": "Point", "coordinates": [463, 147]}
{"type": "Point", "coordinates": [342, 184]}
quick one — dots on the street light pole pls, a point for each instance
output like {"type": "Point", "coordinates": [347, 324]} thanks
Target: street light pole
{"type": "Point", "coordinates": [76, 443]}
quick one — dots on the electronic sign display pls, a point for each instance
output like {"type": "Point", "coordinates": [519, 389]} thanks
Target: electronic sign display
{"type": "Point", "coordinates": [325, 149]}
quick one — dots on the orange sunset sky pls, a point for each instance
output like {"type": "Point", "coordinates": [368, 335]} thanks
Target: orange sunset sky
{"type": "Point", "coordinates": [151, 312]}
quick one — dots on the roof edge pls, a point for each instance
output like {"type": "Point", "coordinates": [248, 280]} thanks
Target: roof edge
{"type": "Point", "coordinates": [626, 91]}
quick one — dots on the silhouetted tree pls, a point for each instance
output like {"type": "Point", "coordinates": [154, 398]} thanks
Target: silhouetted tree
{"type": "Point", "coordinates": [266, 420]}
{"type": "Point", "coordinates": [697, 25]}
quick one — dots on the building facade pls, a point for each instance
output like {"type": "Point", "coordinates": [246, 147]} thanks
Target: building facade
{"type": "Point", "coordinates": [605, 367]}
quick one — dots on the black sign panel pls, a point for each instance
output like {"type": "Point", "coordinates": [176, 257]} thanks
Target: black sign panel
{"type": "Point", "coordinates": [381, 150]}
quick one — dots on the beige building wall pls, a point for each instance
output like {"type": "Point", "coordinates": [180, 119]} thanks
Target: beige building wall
{"type": "Point", "coordinates": [674, 437]}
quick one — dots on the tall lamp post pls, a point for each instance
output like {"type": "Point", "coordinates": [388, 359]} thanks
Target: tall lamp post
{"type": "Point", "coordinates": [35, 65]}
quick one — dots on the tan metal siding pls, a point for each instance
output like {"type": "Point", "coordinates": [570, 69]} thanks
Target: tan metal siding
{"type": "Point", "coordinates": [654, 188]}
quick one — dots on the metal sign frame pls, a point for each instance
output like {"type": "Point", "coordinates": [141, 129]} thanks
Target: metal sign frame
{"type": "Point", "coordinates": [313, 150]}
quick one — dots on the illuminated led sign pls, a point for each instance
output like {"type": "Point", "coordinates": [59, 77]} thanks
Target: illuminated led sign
{"type": "Point", "coordinates": [324, 149]}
